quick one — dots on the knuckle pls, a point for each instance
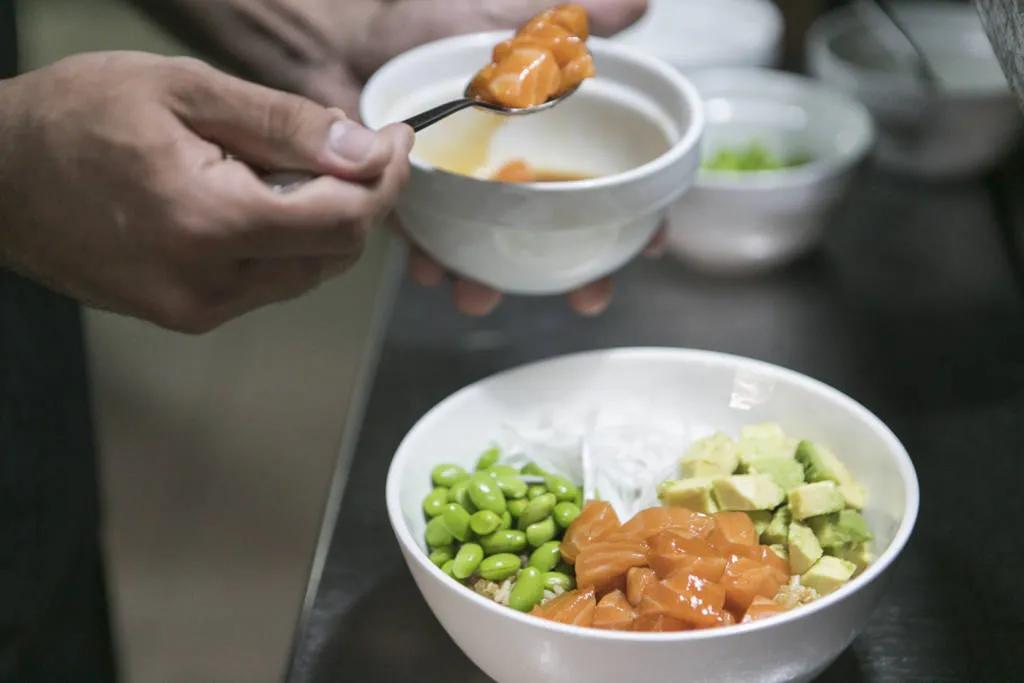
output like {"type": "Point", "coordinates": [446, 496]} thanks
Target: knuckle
{"type": "Point", "coordinates": [285, 115]}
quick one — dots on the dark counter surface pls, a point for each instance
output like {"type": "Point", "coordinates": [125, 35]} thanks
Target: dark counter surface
{"type": "Point", "coordinates": [911, 307]}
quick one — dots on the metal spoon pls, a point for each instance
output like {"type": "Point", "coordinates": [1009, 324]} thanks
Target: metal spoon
{"type": "Point", "coordinates": [288, 181]}
{"type": "Point", "coordinates": [923, 68]}
{"type": "Point", "coordinates": [471, 98]}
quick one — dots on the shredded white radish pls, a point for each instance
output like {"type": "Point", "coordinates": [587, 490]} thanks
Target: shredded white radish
{"type": "Point", "coordinates": [616, 453]}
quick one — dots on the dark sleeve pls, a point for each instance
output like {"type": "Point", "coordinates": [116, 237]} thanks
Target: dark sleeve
{"type": "Point", "coordinates": [8, 40]}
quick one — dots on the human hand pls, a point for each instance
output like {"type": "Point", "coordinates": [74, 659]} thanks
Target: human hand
{"type": "Point", "coordinates": [116, 187]}
{"type": "Point", "coordinates": [327, 49]}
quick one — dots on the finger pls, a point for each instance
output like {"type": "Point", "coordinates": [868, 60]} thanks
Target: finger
{"type": "Point", "coordinates": [274, 130]}
{"type": "Point", "coordinates": [423, 270]}
{"type": "Point", "coordinates": [656, 247]}
{"type": "Point", "coordinates": [474, 299]}
{"type": "Point", "coordinates": [593, 299]}
{"type": "Point", "coordinates": [325, 217]}
{"type": "Point", "coordinates": [262, 282]}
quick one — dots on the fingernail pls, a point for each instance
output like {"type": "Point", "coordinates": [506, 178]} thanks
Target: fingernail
{"type": "Point", "coordinates": [351, 141]}
{"type": "Point", "coordinates": [592, 307]}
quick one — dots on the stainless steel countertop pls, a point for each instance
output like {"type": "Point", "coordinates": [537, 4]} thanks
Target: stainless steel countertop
{"type": "Point", "coordinates": [911, 307]}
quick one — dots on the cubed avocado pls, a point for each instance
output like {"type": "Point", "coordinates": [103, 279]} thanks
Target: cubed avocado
{"type": "Point", "coordinates": [780, 550]}
{"type": "Point", "coordinates": [858, 554]}
{"type": "Point", "coordinates": [819, 498]}
{"type": "Point", "coordinates": [853, 494]}
{"type": "Point", "coordinates": [768, 431]}
{"type": "Point", "coordinates": [748, 492]}
{"type": "Point", "coordinates": [821, 465]}
{"type": "Point", "coordinates": [804, 549]}
{"type": "Point", "coordinates": [712, 456]}
{"type": "Point", "coordinates": [753, 450]}
{"type": "Point", "coordinates": [828, 574]}
{"type": "Point", "coordinates": [693, 494]}
{"type": "Point", "coordinates": [778, 530]}
{"type": "Point", "coordinates": [784, 471]}
{"type": "Point", "coordinates": [842, 528]}
{"type": "Point", "coordinates": [761, 520]}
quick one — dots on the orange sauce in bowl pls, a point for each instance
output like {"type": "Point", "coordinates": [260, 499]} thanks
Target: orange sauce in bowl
{"type": "Point", "coordinates": [518, 171]}
{"type": "Point", "coordinates": [546, 58]}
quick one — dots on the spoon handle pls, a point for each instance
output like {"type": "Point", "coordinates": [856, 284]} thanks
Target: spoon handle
{"type": "Point", "coordinates": [432, 116]}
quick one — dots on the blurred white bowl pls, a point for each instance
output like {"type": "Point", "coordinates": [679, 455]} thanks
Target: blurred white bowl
{"type": "Point", "coordinates": [696, 391]}
{"type": "Point", "coordinates": [965, 130]}
{"type": "Point", "coordinates": [693, 34]}
{"type": "Point", "coordinates": [635, 129]}
{"type": "Point", "coordinates": [745, 222]}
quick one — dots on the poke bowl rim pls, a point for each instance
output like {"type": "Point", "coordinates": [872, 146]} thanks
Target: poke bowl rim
{"type": "Point", "coordinates": [896, 449]}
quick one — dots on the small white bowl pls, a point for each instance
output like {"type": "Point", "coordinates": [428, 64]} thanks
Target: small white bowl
{"type": "Point", "coordinates": [636, 127]}
{"type": "Point", "coordinates": [696, 34]}
{"type": "Point", "coordinates": [966, 130]}
{"type": "Point", "coordinates": [748, 222]}
{"type": "Point", "coordinates": [698, 392]}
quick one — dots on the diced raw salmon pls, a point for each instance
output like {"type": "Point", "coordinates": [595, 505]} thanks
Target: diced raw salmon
{"type": "Point", "coordinates": [762, 608]}
{"type": "Point", "coordinates": [637, 581]}
{"type": "Point", "coordinates": [595, 519]}
{"type": "Point", "coordinates": [692, 599]}
{"type": "Point", "coordinates": [744, 579]}
{"type": "Point", "coordinates": [659, 623]}
{"type": "Point", "coordinates": [527, 77]}
{"type": "Point", "coordinates": [515, 171]}
{"type": "Point", "coordinates": [572, 17]}
{"type": "Point", "coordinates": [614, 612]}
{"type": "Point", "coordinates": [652, 521]}
{"type": "Point", "coordinates": [769, 557]}
{"type": "Point", "coordinates": [735, 528]}
{"type": "Point", "coordinates": [604, 564]}
{"type": "Point", "coordinates": [577, 71]}
{"type": "Point", "coordinates": [575, 607]}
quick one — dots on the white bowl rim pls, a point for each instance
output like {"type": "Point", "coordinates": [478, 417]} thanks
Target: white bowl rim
{"type": "Point", "coordinates": [769, 21]}
{"type": "Point", "coordinates": [829, 25]}
{"type": "Point", "coordinates": [873, 572]}
{"type": "Point", "coordinates": [688, 139]}
{"type": "Point", "coordinates": [810, 173]}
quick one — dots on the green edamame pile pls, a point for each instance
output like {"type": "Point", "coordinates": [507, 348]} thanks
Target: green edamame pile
{"type": "Point", "coordinates": [501, 524]}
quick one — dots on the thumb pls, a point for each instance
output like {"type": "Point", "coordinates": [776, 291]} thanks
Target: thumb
{"type": "Point", "coordinates": [277, 131]}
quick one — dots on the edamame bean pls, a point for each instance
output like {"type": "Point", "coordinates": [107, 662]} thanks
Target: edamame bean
{"type": "Point", "coordinates": [516, 507]}
{"type": "Point", "coordinates": [527, 591]}
{"type": "Point", "coordinates": [506, 520]}
{"type": "Point", "coordinates": [564, 568]}
{"type": "Point", "coordinates": [547, 556]}
{"type": "Point", "coordinates": [456, 520]}
{"type": "Point", "coordinates": [561, 487]}
{"type": "Point", "coordinates": [540, 533]}
{"type": "Point", "coordinates": [554, 580]}
{"type": "Point", "coordinates": [459, 493]}
{"type": "Point", "coordinates": [536, 490]}
{"type": "Point", "coordinates": [441, 555]}
{"type": "Point", "coordinates": [498, 471]}
{"type": "Point", "coordinates": [488, 459]}
{"type": "Point", "coordinates": [446, 475]}
{"type": "Point", "coordinates": [537, 509]}
{"type": "Point", "coordinates": [434, 501]}
{"type": "Point", "coordinates": [499, 567]}
{"type": "Point", "coordinates": [447, 568]}
{"type": "Point", "coordinates": [484, 522]}
{"type": "Point", "coordinates": [437, 533]}
{"type": "Point", "coordinates": [467, 560]}
{"type": "Point", "coordinates": [564, 513]}
{"type": "Point", "coordinates": [579, 497]}
{"type": "Point", "coordinates": [512, 487]}
{"type": "Point", "coordinates": [532, 469]}
{"type": "Point", "coordinates": [503, 541]}
{"type": "Point", "coordinates": [485, 494]}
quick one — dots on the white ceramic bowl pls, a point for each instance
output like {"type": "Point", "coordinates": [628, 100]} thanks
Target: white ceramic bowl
{"type": "Point", "coordinates": [965, 130]}
{"type": "Point", "coordinates": [701, 392]}
{"type": "Point", "coordinates": [636, 127]}
{"type": "Point", "coordinates": [695, 34]}
{"type": "Point", "coordinates": [748, 222]}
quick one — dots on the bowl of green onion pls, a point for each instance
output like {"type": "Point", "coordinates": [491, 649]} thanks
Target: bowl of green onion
{"type": "Point", "coordinates": [780, 153]}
